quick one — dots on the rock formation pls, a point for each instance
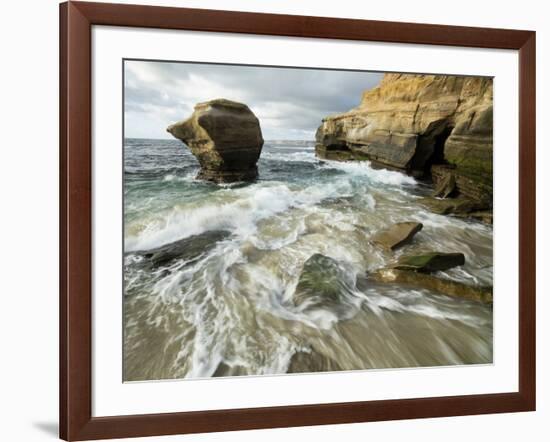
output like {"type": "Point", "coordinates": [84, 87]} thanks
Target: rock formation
{"type": "Point", "coordinates": [226, 139]}
{"type": "Point", "coordinates": [436, 126]}
{"type": "Point", "coordinates": [187, 249]}
{"type": "Point", "coordinates": [415, 271]}
{"type": "Point", "coordinates": [324, 284]}
{"type": "Point", "coordinates": [397, 235]}
{"type": "Point", "coordinates": [430, 262]}
{"type": "Point", "coordinates": [312, 361]}
{"type": "Point", "coordinates": [426, 281]}
{"type": "Point", "coordinates": [224, 370]}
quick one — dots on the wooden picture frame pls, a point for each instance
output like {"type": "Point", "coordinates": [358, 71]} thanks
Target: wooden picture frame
{"type": "Point", "coordinates": [76, 21]}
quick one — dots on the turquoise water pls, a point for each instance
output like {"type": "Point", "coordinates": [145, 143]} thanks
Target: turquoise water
{"type": "Point", "coordinates": [228, 309]}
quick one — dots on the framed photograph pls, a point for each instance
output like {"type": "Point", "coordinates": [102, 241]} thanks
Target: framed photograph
{"type": "Point", "coordinates": [274, 220]}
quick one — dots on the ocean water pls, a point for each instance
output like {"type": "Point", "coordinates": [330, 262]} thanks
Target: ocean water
{"type": "Point", "coordinates": [225, 307]}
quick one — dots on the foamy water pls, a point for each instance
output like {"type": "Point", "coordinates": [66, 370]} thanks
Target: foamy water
{"type": "Point", "coordinates": [230, 310]}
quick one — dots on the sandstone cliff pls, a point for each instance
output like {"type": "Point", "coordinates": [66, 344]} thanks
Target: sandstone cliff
{"type": "Point", "coordinates": [437, 126]}
{"type": "Point", "coordinates": [226, 139]}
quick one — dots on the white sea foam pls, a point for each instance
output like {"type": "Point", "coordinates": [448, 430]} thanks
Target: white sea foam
{"type": "Point", "coordinates": [377, 175]}
{"type": "Point", "coordinates": [246, 206]}
{"type": "Point", "coordinates": [234, 304]}
{"type": "Point", "coordinates": [188, 177]}
{"type": "Point", "coordinates": [419, 302]}
{"type": "Point", "coordinates": [305, 157]}
{"type": "Point", "coordinates": [371, 201]}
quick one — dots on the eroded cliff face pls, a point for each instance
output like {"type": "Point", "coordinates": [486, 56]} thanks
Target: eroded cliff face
{"type": "Point", "coordinates": [437, 126]}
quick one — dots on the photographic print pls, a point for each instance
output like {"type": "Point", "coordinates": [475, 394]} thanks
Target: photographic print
{"type": "Point", "coordinates": [282, 220]}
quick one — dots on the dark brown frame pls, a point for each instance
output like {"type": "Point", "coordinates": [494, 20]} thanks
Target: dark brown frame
{"type": "Point", "coordinates": [76, 421]}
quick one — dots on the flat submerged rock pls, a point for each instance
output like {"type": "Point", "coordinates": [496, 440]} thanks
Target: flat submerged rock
{"type": "Point", "coordinates": [397, 235]}
{"type": "Point", "coordinates": [311, 362]}
{"type": "Point", "coordinates": [430, 262]}
{"type": "Point", "coordinates": [323, 284]}
{"type": "Point", "coordinates": [440, 285]}
{"type": "Point", "coordinates": [321, 281]}
{"type": "Point", "coordinates": [186, 249]}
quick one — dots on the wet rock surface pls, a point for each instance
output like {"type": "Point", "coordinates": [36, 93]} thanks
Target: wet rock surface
{"type": "Point", "coordinates": [430, 282]}
{"type": "Point", "coordinates": [323, 283]}
{"type": "Point", "coordinates": [187, 249]}
{"type": "Point", "coordinates": [397, 235]}
{"type": "Point", "coordinates": [224, 369]}
{"type": "Point", "coordinates": [452, 206]}
{"type": "Point", "coordinates": [312, 361]}
{"type": "Point", "coordinates": [430, 262]}
{"type": "Point", "coordinates": [444, 182]}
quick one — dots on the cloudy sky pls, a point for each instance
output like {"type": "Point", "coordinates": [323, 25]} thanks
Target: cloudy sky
{"type": "Point", "coordinates": [290, 103]}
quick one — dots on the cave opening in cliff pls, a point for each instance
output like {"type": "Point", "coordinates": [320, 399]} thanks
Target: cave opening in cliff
{"type": "Point", "coordinates": [438, 155]}
{"type": "Point", "coordinates": [431, 149]}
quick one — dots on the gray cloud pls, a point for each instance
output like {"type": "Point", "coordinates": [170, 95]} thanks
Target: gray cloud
{"type": "Point", "coordinates": [289, 102]}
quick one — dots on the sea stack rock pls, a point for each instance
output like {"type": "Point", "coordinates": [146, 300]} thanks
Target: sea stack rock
{"type": "Point", "coordinates": [226, 139]}
{"type": "Point", "coordinates": [437, 126]}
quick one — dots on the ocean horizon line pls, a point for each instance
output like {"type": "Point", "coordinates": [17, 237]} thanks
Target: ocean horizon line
{"type": "Point", "coordinates": [167, 139]}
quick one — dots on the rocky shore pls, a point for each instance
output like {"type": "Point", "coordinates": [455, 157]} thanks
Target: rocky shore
{"type": "Point", "coordinates": [438, 128]}
{"type": "Point", "coordinates": [318, 265]}
{"type": "Point", "coordinates": [434, 127]}
{"type": "Point", "coordinates": [322, 282]}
